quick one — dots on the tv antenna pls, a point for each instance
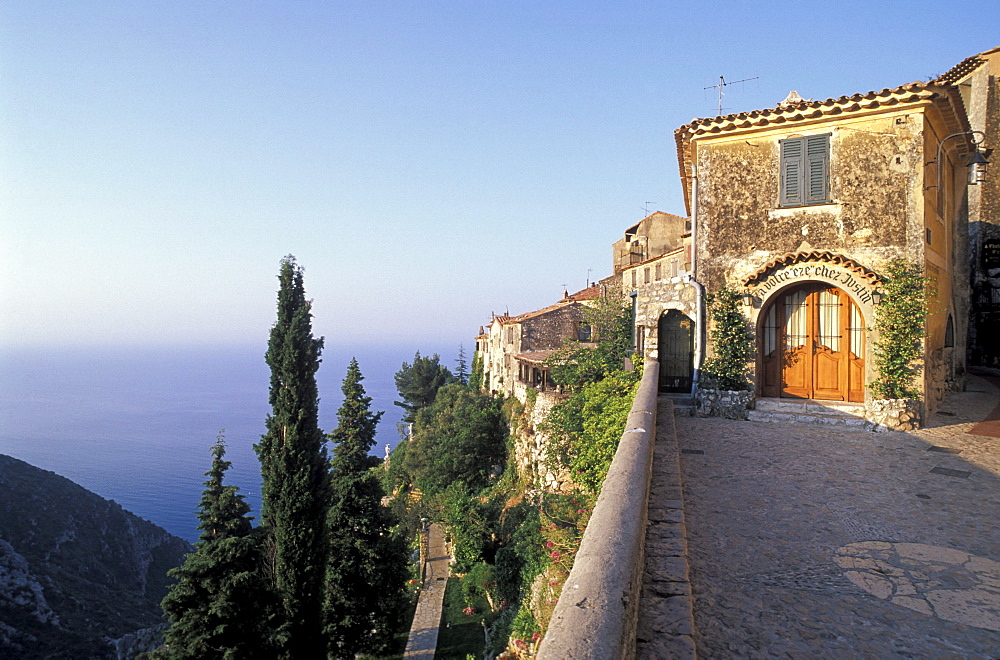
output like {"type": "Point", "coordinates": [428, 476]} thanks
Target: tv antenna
{"type": "Point", "coordinates": [645, 207]}
{"type": "Point", "coordinates": [723, 83]}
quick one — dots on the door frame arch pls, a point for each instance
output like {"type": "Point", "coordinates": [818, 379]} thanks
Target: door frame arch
{"type": "Point", "coordinates": [767, 299]}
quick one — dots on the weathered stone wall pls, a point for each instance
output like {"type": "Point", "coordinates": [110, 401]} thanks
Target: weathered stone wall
{"type": "Point", "coordinates": [550, 330]}
{"type": "Point", "coordinates": [531, 445]}
{"type": "Point", "coordinates": [982, 101]}
{"type": "Point", "coordinates": [661, 293]}
{"type": "Point", "coordinates": [883, 206]}
{"type": "Point", "coordinates": [876, 167]}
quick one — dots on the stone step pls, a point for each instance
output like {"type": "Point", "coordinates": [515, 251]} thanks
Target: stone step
{"type": "Point", "coordinates": [811, 418]}
{"type": "Point", "coordinates": [685, 410]}
{"type": "Point", "coordinates": [811, 407]}
{"type": "Point", "coordinates": [683, 404]}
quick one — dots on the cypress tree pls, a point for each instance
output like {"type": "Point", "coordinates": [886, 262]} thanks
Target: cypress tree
{"type": "Point", "coordinates": [294, 474]}
{"type": "Point", "coordinates": [367, 565]}
{"type": "Point", "coordinates": [218, 606]}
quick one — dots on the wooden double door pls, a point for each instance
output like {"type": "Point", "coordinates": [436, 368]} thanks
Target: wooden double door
{"type": "Point", "coordinates": [811, 343]}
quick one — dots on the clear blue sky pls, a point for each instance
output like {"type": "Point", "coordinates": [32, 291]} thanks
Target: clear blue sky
{"type": "Point", "coordinates": [428, 163]}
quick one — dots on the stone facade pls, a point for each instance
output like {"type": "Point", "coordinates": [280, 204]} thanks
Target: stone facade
{"type": "Point", "coordinates": [654, 235]}
{"type": "Point", "coordinates": [542, 330]}
{"type": "Point", "coordinates": [881, 200]}
{"type": "Point", "coordinates": [978, 80]}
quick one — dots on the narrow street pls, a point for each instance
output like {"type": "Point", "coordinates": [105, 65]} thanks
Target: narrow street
{"type": "Point", "coordinates": [806, 541]}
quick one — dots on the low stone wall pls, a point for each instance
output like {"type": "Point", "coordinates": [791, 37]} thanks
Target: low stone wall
{"type": "Point", "coordinates": [595, 618]}
{"type": "Point", "coordinates": [893, 414]}
{"type": "Point", "coordinates": [730, 404]}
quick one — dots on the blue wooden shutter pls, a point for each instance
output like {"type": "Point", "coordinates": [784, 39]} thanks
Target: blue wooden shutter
{"type": "Point", "coordinates": [791, 171]}
{"type": "Point", "coordinates": [817, 159]}
{"type": "Point", "coordinates": [805, 170]}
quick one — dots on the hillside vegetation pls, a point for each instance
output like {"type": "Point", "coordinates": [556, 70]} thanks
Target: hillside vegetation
{"type": "Point", "coordinates": [76, 570]}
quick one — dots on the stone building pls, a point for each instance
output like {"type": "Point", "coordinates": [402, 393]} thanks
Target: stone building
{"type": "Point", "coordinates": [514, 348]}
{"type": "Point", "coordinates": [654, 235]}
{"type": "Point", "coordinates": [978, 81]}
{"type": "Point", "coordinates": [800, 207]}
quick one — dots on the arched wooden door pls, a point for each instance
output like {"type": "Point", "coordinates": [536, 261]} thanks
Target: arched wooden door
{"type": "Point", "coordinates": [675, 332]}
{"type": "Point", "coordinates": [812, 345]}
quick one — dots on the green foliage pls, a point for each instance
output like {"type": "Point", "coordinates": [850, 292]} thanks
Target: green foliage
{"type": "Point", "coordinates": [479, 584]}
{"type": "Point", "coordinates": [396, 476]}
{"type": "Point", "coordinates": [418, 383]}
{"type": "Point", "coordinates": [476, 377]}
{"type": "Point", "coordinates": [471, 522]}
{"type": "Point", "coordinates": [899, 319]}
{"type": "Point", "coordinates": [732, 344]}
{"type": "Point", "coordinates": [460, 437]}
{"type": "Point", "coordinates": [367, 565]}
{"type": "Point", "coordinates": [219, 605]}
{"type": "Point", "coordinates": [585, 428]}
{"type": "Point", "coordinates": [462, 367]}
{"type": "Point", "coordinates": [577, 364]}
{"type": "Point", "coordinates": [294, 470]}
{"type": "Point", "coordinates": [461, 633]}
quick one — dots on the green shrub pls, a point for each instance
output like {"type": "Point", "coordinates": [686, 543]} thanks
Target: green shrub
{"type": "Point", "coordinates": [732, 344]}
{"type": "Point", "coordinates": [899, 319]}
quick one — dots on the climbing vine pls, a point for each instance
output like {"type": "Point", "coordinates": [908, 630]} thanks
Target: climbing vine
{"type": "Point", "coordinates": [899, 319]}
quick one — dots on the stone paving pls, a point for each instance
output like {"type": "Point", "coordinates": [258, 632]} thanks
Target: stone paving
{"type": "Point", "coordinates": [665, 624]}
{"type": "Point", "coordinates": [422, 642]}
{"type": "Point", "coordinates": [815, 542]}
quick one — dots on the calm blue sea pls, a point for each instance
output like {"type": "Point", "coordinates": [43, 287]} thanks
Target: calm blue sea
{"type": "Point", "coordinates": [136, 425]}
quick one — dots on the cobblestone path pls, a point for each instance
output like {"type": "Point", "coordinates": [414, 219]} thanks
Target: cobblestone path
{"type": "Point", "coordinates": [427, 618]}
{"type": "Point", "coordinates": [814, 542]}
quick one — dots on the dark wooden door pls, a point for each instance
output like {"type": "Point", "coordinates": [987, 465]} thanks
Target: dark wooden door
{"type": "Point", "coordinates": [676, 350]}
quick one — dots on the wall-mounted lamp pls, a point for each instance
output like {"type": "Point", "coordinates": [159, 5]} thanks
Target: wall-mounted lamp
{"type": "Point", "coordinates": [747, 299]}
{"type": "Point", "coordinates": [977, 165]}
{"type": "Point", "coordinates": [876, 297]}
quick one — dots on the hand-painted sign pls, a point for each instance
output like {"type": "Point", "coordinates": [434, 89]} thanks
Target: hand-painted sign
{"type": "Point", "coordinates": [803, 271]}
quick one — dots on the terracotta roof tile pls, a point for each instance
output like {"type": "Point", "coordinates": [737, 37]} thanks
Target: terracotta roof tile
{"type": "Point", "coordinates": [960, 70]}
{"type": "Point", "coordinates": [799, 112]}
{"type": "Point", "coordinates": [592, 292]}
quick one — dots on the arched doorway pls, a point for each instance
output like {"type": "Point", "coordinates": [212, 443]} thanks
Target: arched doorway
{"type": "Point", "coordinates": [811, 343]}
{"type": "Point", "coordinates": [675, 333]}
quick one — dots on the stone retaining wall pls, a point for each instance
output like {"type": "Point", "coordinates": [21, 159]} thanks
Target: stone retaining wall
{"type": "Point", "coordinates": [596, 616]}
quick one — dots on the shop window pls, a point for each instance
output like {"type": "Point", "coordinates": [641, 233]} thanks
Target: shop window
{"type": "Point", "coordinates": [805, 170]}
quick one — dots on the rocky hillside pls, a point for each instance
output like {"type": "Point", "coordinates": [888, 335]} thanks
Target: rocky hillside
{"type": "Point", "coordinates": [76, 570]}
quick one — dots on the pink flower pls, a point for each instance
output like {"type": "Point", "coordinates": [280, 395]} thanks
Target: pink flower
{"type": "Point", "coordinates": [555, 554]}
{"type": "Point", "coordinates": [549, 544]}
{"type": "Point", "coordinates": [536, 636]}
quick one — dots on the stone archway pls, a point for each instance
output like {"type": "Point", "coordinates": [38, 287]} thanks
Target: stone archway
{"type": "Point", "coordinates": [811, 345]}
